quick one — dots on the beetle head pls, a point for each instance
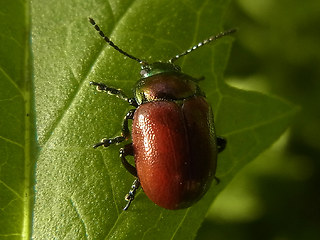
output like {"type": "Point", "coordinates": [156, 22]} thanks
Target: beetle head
{"type": "Point", "coordinates": [148, 70]}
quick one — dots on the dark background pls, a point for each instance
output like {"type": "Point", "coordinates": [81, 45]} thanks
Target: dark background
{"type": "Point", "coordinates": [277, 196]}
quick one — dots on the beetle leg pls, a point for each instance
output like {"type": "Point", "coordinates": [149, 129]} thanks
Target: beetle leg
{"type": "Point", "coordinates": [113, 91]}
{"type": "Point", "coordinates": [217, 180]}
{"type": "Point", "coordinates": [200, 79]}
{"type": "Point", "coordinates": [130, 196]}
{"type": "Point", "coordinates": [221, 143]}
{"type": "Point", "coordinates": [125, 128]}
{"type": "Point", "coordinates": [106, 142]}
{"type": "Point", "coordinates": [128, 150]}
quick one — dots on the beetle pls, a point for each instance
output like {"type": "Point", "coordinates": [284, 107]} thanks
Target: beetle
{"type": "Point", "coordinates": [173, 136]}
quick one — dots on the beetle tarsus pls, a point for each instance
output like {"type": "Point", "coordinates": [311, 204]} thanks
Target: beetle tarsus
{"type": "Point", "coordinates": [113, 91]}
{"type": "Point", "coordinates": [97, 145]}
{"type": "Point", "coordinates": [106, 142]}
{"type": "Point", "coordinates": [130, 196]}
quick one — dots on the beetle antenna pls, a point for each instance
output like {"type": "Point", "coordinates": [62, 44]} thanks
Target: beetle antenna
{"type": "Point", "coordinates": [213, 38]}
{"type": "Point", "coordinates": [96, 27]}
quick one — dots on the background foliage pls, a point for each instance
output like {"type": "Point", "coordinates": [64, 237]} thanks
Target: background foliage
{"type": "Point", "coordinates": [277, 196]}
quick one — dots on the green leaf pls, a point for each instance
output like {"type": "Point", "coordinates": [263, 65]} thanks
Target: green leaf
{"type": "Point", "coordinates": [16, 163]}
{"type": "Point", "coordinates": [79, 191]}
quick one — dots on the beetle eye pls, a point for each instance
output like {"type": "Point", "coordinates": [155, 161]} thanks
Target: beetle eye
{"type": "Point", "coordinates": [144, 72]}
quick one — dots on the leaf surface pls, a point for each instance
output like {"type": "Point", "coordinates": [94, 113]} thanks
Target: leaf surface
{"type": "Point", "coordinates": [16, 125]}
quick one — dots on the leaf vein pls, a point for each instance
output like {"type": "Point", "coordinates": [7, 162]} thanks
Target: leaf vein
{"type": "Point", "coordinates": [257, 125]}
{"type": "Point", "coordinates": [11, 189]}
{"type": "Point", "coordinates": [11, 141]}
{"type": "Point", "coordinates": [154, 225]}
{"type": "Point", "coordinates": [180, 223]}
{"type": "Point", "coordinates": [6, 75]}
{"type": "Point", "coordinates": [73, 204]}
{"type": "Point", "coordinates": [111, 186]}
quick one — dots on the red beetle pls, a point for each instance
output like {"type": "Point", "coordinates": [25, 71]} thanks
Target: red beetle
{"type": "Point", "coordinates": [173, 138]}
